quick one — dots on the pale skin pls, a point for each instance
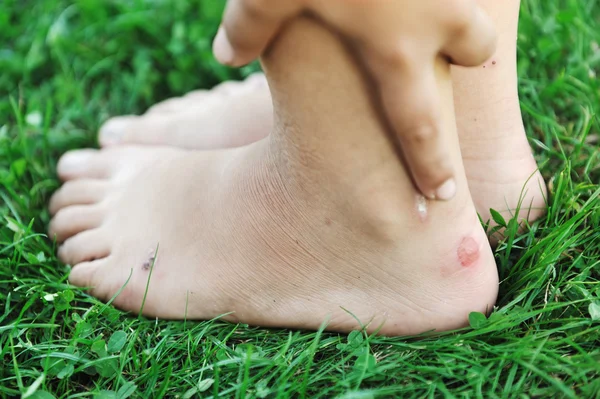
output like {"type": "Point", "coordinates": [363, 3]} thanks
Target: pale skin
{"type": "Point", "coordinates": [317, 220]}
{"type": "Point", "coordinates": [323, 227]}
{"type": "Point", "coordinates": [398, 42]}
{"type": "Point", "coordinates": [501, 171]}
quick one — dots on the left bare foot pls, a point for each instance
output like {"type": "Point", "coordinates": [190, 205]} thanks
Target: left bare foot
{"type": "Point", "coordinates": [317, 221]}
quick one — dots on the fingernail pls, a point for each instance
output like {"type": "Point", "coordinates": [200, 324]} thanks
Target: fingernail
{"type": "Point", "coordinates": [446, 191]}
{"type": "Point", "coordinates": [112, 131]}
{"type": "Point", "coordinates": [222, 49]}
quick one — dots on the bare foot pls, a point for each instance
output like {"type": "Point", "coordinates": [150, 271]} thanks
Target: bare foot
{"type": "Point", "coordinates": [232, 114]}
{"type": "Point", "coordinates": [318, 221]}
{"type": "Point", "coordinates": [500, 170]}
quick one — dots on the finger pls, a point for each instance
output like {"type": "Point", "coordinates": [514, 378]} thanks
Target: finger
{"type": "Point", "coordinates": [411, 99]}
{"type": "Point", "coordinates": [473, 40]}
{"type": "Point", "coordinates": [248, 27]}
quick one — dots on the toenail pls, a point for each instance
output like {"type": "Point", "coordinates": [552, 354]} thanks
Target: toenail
{"type": "Point", "coordinates": [112, 132]}
{"type": "Point", "coordinates": [446, 191]}
{"type": "Point", "coordinates": [73, 161]}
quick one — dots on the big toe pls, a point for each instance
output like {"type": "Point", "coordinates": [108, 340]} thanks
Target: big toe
{"type": "Point", "coordinates": [149, 129]}
{"type": "Point", "coordinates": [116, 130]}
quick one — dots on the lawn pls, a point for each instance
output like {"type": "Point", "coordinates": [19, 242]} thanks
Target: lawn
{"type": "Point", "coordinates": [65, 66]}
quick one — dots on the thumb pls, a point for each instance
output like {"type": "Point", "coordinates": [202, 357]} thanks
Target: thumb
{"type": "Point", "coordinates": [248, 27]}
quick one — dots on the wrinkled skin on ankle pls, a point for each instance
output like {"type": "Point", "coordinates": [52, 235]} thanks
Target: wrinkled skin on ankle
{"type": "Point", "coordinates": [399, 41]}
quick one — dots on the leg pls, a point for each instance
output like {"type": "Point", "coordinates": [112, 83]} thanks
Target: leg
{"type": "Point", "coordinates": [497, 157]}
{"type": "Point", "coordinates": [496, 154]}
{"type": "Point", "coordinates": [318, 217]}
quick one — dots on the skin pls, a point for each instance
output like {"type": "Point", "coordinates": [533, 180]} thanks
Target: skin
{"type": "Point", "coordinates": [500, 167]}
{"type": "Point", "coordinates": [316, 221]}
{"type": "Point", "coordinates": [399, 50]}
{"type": "Point", "coordinates": [501, 171]}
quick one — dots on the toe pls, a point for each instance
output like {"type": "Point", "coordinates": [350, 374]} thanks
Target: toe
{"type": "Point", "coordinates": [86, 246]}
{"type": "Point", "coordinates": [82, 274]}
{"type": "Point", "coordinates": [114, 130]}
{"type": "Point", "coordinates": [195, 97]}
{"type": "Point", "coordinates": [257, 80]}
{"type": "Point", "coordinates": [78, 192]}
{"type": "Point", "coordinates": [106, 283]}
{"type": "Point", "coordinates": [177, 104]}
{"type": "Point", "coordinates": [165, 107]}
{"type": "Point", "coordinates": [227, 88]}
{"type": "Point", "coordinates": [151, 129]}
{"type": "Point", "coordinates": [83, 164]}
{"type": "Point", "coordinates": [74, 219]}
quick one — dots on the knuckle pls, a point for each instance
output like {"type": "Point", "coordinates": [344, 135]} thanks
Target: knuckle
{"type": "Point", "coordinates": [461, 19]}
{"type": "Point", "coordinates": [256, 9]}
{"type": "Point", "coordinates": [461, 24]}
{"type": "Point", "coordinates": [420, 135]}
{"type": "Point", "coordinates": [399, 55]}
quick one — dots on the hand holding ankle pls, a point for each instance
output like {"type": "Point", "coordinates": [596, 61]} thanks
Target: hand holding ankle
{"type": "Point", "coordinates": [400, 41]}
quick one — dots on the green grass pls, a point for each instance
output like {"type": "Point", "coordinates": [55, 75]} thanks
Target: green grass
{"type": "Point", "coordinates": [66, 66]}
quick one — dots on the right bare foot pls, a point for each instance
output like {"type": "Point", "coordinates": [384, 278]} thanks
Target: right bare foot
{"type": "Point", "coordinates": [232, 114]}
{"type": "Point", "coordinates": [317, 218]}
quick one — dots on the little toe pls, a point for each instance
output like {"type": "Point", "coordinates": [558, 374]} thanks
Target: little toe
{"type": "Point", "coordinates": [74, 219]}
{"type": "Point", "coordinates": [78, 192]}
{"type": "Point", "coordinates": [86, 246]}
{"type": "Point", "coordinates": [82, 274]}
{"type": "Point", "coordinates": [80, 164]}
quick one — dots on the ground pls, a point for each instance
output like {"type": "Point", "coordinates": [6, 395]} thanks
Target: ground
{"type": "Point", "coordinates": [67, 66]}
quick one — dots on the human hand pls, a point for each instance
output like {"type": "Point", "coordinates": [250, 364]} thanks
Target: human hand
{"type": "Point", "coordinates": [399, 41]}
